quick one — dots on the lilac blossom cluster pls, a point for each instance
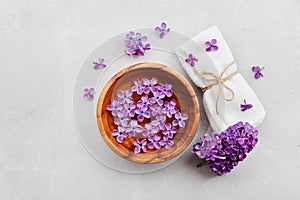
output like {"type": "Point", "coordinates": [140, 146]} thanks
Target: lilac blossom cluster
{"type": "Point", "coordinates": [223, 152]}
{"type": "Point", "coordinates": [152, 105]}
{"type": "Point", "coordinates": [135, 44]}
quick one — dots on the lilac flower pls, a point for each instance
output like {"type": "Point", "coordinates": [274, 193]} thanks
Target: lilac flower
{"type": "Point", "coordinates": [134, 44]}
{"type": "Point", "coordinates": [150, 130]}
{"type": "Point", "coordinates": [157, 98]}
{"type": "Point", "coordinates": [170, 108]}
{"type": "Point", "coordinates": [140, 146]}
{"type": "Point", "coordinates": [162, 31]}
{"type": "Point", "coordinates": [169, 131]}
{"type": "Point", "coordinates": [125, 97]}
{"type": "Point", "coordinates": [245, 106]}
{"type": "Point", "coordinates": [156, 110]}
{"type": "Point", "coordinates": [130, 109]}
{"type": "Point", "coordinates": [142, 113]}
{"type": "Point", "coordinates": [211, 46]}
{"type": "Point", "coordinates": [144, 102]}
{"type": "Point", "coordinates": [114, 107]}
{"type": "Point", "coordinates": [160, 122]}
{"type": "Point", "coordinates": [165, 89]}
{"type": "Point", "coordinates": [257, 72]}
{"type": "Point", "coordinates": [99, 65]}
{"type": "Point", "coordinates": [120, 134]}
{"type": "Point", "coordinates": [154, 142]}
{"type": "Point", "coordinates": [179, 120]}
{"type": "Point", "coordinates": [191, 60]}
{"type": "Point", "coordinates": [133, 127]}
{"type": "Point", "coordinates": [202, 148]}
{"type": "Point", "coordinates": [150, 85]}
{"type": "Point", "coordinates": [121, 119]}
{"type": "Point", "coordinates": [166, 142]}
{"type": "Point", "coordinates": [138, 87]}
{"type": "Point", "coordinates": [89, 94]}
{"type": "Point", "coordinates": [230, 147]}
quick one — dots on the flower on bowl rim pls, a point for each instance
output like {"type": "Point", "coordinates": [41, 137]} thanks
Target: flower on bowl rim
{"type": "Point", "coordinates": [89, 94]}
{"type": "Point", "coordinates": [162, 30]}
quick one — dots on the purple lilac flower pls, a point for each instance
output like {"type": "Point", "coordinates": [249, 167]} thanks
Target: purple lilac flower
{"type": "Point", "coordinates": [114, 107]}
{"type": "Point", "coordinates": [166, 142]}
{"type": "Point", "coordinates": [165, 89]}
{"type": "Point", "coordinates": [89, 94]}
{"type": "Point", "coordinates": [144, 102]}
{"type": "Point", "coordinates": [120, 134]}
{"type": "Point", "coordinates": [133, 127]}
{"type": "Point", "coordinates": [160, 121]}
{"type": "Point", "coordinates": [231, 147]}
{"type": "Point", "coordinates": [134, 44]}
{"type": "Point", "coordinates": [150, 130]}
{"type": "Point", "coordinates": [180, 118]}
{"type": "Point", "coordinates": [257, 72]}
{"type": "Point", "coordinates": [211, 45]}
{"type": "Point", "coordinates": [154, 142]}
{"type": "Point", "coordinates": [202, 148]}
{"type": "Point", "coordinates": [156, 110]}
{"type": "Point", "coordinates": [246, 106]}
{"type": "Point", "coordinates": [121, 119]}
{"type": "Point", "coordinates": [142, 113]}
{"type": "Point", "coordinates": [129, 109]}
{"type": "Point", "coordinates": [169, 130]}
{"type": "Point", "coordinates": [99, 65]}
{"type": "Point", "coordinates": [157, 98]}
{"type": "Point", "coordinates": [162, 31]}
{"type": "Point", "coordinates": [191, 60]}
{"type": "Point", "coordinates": [125, 97]}
{"type": "Point", "coordinates": [138, 87]}
{"type": "Point", "coordinates": [150, 85]}
{"type": "Point", "coordinates": [140, 146]}
{"type": "Point", "coordinates": [170, 108]}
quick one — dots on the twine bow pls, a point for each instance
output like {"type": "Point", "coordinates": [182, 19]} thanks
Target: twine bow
{"type": "Point", "coordinates": [220, 81]}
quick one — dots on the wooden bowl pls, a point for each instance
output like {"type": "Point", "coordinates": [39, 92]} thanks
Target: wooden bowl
{"type": "Point", "coordinates": [183, 93]}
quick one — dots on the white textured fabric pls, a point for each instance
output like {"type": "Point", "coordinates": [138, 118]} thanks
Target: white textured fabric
{"type": "Point", "coordinates": [215, 62]}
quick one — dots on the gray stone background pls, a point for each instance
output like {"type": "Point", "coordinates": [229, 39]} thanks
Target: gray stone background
{"type": "Point", "coordinates": [42, 45]}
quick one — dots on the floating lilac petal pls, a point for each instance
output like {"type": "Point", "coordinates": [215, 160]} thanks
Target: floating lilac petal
{"type": "Point", "coordinates": [133, 127]}
{"type": "Point", "coordinates": [191, 60]}
{"type": "Point", "coordinates": [125, 97]}
{"type": "Point", "coordinates": [170, 108]}
{"type": "Point", "coordinates": [180, 118]}
{"type": "Point", "coordinates": [140, 146]}
{"type": "Point", "coordinates": [114, 107]}
{"type": "Point", "coordinates": [120, 134]}
{"type": "Point", "coordinates": [99, 65]}
{"type": "Point", "coordinates": [169, 131]}
{"type": "Point", "coordinates": [130, 109]}
{"type": "Point", "coordinates": [142, 113]}
{"type": "Point", "coordinates": [89, 94]}
{"type": "Point", "coordinates": [165, 89]}
{"type": "Point", "coordinates": [246, 106]}
{"type": "Point", "coordinates": [156, 110]}
{"type": "Point", "coordinates": [150, 130]}
{"type": "Point", "coordinates": [149, 85]}
{"type": "Point", "coordinates": [160, 122]}
{"type": "Point", "coordinates": [157, 98]}
{"type": "Point", "coordinates": [211, 45]}
{"type": "Point", "coordinates": [121, 119]}
{"type": "Point", "coordinates": [166, 142]}
{"type": "Point", "coordinates": [162, 31]}
{"type": "Point", "coordinates": [144, 102]}
{"type": "Point", "coordinates": [154, 142]}
{"type": "Point", "coordinates": [138, 87]}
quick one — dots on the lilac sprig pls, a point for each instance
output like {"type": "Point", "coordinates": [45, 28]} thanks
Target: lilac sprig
{"type": "Point", "coordinates": [223, 152]}
{"type": "Point", "coordinates": [135, 44]}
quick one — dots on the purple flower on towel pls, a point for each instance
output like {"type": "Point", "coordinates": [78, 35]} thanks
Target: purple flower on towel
{"type": "Point", "coordinates": [211, 45]}
{"type": "Point", "coordinates": [246, 106]}
{"type": "Point", "coordinates": [191, 60]}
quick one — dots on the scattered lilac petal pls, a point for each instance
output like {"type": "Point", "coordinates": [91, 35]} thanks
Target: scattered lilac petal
{"type": "Point", "coordinates": [191, 60]}
{"type": "Point", "coordinates": [245, 106]}
{"type": "Point", "coordinates": [162, 31]}
{"type": "Point", "coordinates": [89, 94]}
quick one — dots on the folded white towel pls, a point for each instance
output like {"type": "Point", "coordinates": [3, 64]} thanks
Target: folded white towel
{"type": "Point", "coordinates": [215, 62]}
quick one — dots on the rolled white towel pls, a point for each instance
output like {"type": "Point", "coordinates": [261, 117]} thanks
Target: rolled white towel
{"type": "Point", "coordinates": [220, 113]}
